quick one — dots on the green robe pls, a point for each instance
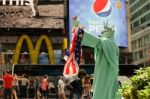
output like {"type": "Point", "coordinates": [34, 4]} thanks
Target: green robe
{"type": "Point", "coordinates": [106, 55]}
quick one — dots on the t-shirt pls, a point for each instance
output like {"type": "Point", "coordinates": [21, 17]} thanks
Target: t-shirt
{"type": "Point", "coordinates": [8, 81]}
{"type": "Point", "coordinates": [44, 84]}
{"type": "Point", "coordinates": [25, 81]}
{"type": "Point", "coordinates": [61, 85]}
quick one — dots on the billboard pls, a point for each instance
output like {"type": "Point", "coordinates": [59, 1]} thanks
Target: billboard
{"type": "Point", "coordinates": [31, 14]}
{"type": "Point", "coordinates": [92, 14]}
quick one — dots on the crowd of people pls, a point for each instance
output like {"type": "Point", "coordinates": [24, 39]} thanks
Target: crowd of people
{"type": "Point", "coordinates": [21, 87]}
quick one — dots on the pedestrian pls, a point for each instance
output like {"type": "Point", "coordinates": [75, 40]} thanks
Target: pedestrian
{"type": "Point", "coordinates": [36, 85]}
{"type": "Point", "coordinates": [51, 87]}
{"type": "Point", "coordinates": [61, 88]}
{"type": "Point", "coordinates": [44, 87]}
{"type": "Point", "coordinates": [76, 85]}
{"type": "Point", "coordinates": [15, 86]}
{"type": "Point", "coordinates": [24, 83]}
{"type": "Point", "coordinates": [87, 85]}
{"type": "Point", "coordinates": [8, 81]}
{"type": "Point", "coordinates": [31, 90]}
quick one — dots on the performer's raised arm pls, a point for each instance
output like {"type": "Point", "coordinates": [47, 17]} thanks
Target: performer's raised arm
{"type": "Point", "coordinates": [90, 40]}
{"type": "Point", "coordinates": [87, 38]}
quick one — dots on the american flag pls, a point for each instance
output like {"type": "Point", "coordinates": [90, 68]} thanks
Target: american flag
{"type": "Point", "coordinates": [73, 55]}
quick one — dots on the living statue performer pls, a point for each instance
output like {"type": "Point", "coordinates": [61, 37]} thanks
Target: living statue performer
{"type": "Point", "coordinates": [106, 55]}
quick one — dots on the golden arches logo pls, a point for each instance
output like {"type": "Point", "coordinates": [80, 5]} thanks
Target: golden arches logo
{"type": "Point", "coordinates": [34, 51]}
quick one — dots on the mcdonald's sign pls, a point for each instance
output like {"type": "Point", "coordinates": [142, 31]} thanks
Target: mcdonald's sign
{"type": "Point", "coordinates": [34, 51]}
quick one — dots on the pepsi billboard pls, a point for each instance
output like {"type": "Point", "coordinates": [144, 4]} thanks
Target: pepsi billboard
{"type": "Point", "coordinates": [92, 14]}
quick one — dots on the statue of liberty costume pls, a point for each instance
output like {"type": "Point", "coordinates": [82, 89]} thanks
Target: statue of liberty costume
{"type": "Point", "coordinates": [106, 55]}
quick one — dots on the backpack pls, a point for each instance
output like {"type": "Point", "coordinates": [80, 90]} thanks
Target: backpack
{"type": "Point", "coordinates": [76, 86]}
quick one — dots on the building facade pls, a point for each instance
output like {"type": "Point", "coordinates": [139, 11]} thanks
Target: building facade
{"type": "Point", "coordinates": [42, 40]}
{"type": "Point", "coordinates": [140, 47]}
{"type": "Point", "coordinates": [20, 33]}
{"type": "Point", "coordinates": [140, 30]}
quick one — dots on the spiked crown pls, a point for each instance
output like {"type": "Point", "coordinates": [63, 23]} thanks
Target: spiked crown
{"type": "Point", "coordinates": [107, 29]}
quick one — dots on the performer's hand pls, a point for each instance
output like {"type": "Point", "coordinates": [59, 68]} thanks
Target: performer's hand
{"type": "Point", "coordinates": [81, 27]}
{"type": "Point", "coordinates": [74, 17]}
{"type": "Point", "coordinates": [81, 33]}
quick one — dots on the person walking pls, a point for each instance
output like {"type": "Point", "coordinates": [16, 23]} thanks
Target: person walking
{"type": "Point", "coordinates": [44, 87]}
{"type": "Point", "coordinates": [76, 85]}
{"type": "Point", "coordinates": [8, 81]}
{"type": "Point", "coordinates": [36, 85]}
{"type": "Point", "coordinates": [23, 86]}
{"type": "Point", "coordinates": [15, 87]}
{"type": "Point", "coordinates": [31, 89]}
{"type": "Point", "coordinates": [61, 88]}
{"type": "Point", "coordinates": [87, 85]}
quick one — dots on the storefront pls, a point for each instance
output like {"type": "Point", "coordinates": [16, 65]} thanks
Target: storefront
{"type": "Point", "coordinates": [32, 40]}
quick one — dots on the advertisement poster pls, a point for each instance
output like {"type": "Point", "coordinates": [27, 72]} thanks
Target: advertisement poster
{"type": "Point", "coordinates": [93, 14]}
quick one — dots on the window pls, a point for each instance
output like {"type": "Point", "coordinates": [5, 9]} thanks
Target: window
{"type": "Point", "coordinates": [140, 11]}
{"type": "Point", "coordinates": [145, 39]}
{"type": "Point", "coordinates": [133, 45]}
{"type": "Point", "coordinates": [147, 17]}
{"type": "Point", "coordinates": [136, 24]}
{"type": "Point", "coordinates": [136, 56]}
{"type": "Point", "coordinates": [148, 37]}
{"type": "Point", "coordinates": [143, 19]}
{"type": "Point", "coordinates": [145, 52]}
{"type": "Point", "coordinates": [131, 1]}
{"type": "Point", "coordinates": [140, 54]}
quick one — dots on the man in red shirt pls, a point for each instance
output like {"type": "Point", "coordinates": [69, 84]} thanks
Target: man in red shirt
{"type": "Point", "coordinates": [8, 80]}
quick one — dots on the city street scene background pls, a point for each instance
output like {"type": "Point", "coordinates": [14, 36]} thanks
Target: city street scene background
{"type": "Point", "coordinates": [35, 36]}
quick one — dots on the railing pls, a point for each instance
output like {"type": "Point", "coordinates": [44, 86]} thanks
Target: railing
{"type": "Point", "coordinates": [57, 70]}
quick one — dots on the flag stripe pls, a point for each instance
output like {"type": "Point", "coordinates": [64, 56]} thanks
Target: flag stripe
{"type": "Point", "coordinates": [71, 67]}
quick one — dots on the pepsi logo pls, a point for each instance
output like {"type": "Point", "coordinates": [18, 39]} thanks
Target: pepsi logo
{"type": "Point", "coordinates": [102, 8]}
